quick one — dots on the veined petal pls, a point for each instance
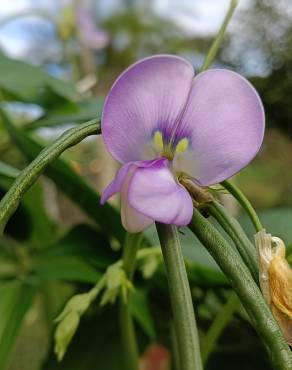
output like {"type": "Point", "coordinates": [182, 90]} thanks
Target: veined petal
{"type": "Point", "coordinates": [225, 118]}
{"type": "Point", "coordinates": [150, 95]}
{"type": "Point", "coordinates": [116, 185]}
{"type": "Point", "coordinates": [154, 192]}
{"type": "Point", "coordinates": [132, 220]}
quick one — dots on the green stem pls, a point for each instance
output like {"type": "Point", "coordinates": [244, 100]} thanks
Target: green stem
{"type": "Point", "coordinates": [247, 290]}
{"type": "Point", "coordinates": [128, 335]}
{"type": "Point", "coordinates": [174, 347]}
{"type": "Point", "coordinates": [218, 325]}
{"type": "Point", "coordinates": [244, 202]}
{"type": "Point", "coordinates": [219, 38]}
{"type": "Point", "coordinates": [181, 300]}
{"type": "Point", "coordinates": [232, 227]}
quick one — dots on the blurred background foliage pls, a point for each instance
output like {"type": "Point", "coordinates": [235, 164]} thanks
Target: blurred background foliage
{"type": "Point", "coordinates": [57, 62]}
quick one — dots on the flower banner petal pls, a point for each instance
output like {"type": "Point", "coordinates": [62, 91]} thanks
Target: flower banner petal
{"type": "Point", "coordinates": [149, 95]}
{"type": "Point", "coordinates": [226, 119]}
{"type": "Point", "coordinates": [154, 192]}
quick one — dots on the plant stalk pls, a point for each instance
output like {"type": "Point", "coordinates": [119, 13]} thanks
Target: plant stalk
{"type": "Point", "coordinates": [232, 227]}
{"type": "Point", "coordinates": [220, 35]}
{"type": "Point", "coordinates": [244, 202]}
{"type": "Point", "coordinates": [129, 341]}
{"type": "Point", "coordinates": [180, 297]}
{"type": "Point", "coordinates": [218, 325]}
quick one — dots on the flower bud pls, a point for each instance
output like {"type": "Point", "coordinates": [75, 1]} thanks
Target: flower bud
{"type": "Point", "coordinates": [64, 333]}
{"type": "Point", "coordinates": [78, 303]}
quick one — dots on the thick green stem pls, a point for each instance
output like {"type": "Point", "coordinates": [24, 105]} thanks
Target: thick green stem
{"type": "Point", "coordinates": [129, 341]}
{"type": "Point", "coordinates": [218, 325]}
{"type": "Point", "coordinates": [174, 347]}
{"type": "Point", "coordinates": [218, 40]}
{"type": "Point", "coordinates": [247, 290]}
{"type": "Point", "coordinates": [232, 227]}
{"type": "Point", "coordinates": [181, 300]}
{"type": "Point", "coordinates": [244, 202]}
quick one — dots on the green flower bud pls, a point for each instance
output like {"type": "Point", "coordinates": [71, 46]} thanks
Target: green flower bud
{"type": "Point", "coordinates": [64, 333]}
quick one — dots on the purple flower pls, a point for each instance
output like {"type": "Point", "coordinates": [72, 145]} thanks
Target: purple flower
{"type": "Point", "coordinates": [162, 122]}
{"type": "Point", "coordinates": [92, 36]}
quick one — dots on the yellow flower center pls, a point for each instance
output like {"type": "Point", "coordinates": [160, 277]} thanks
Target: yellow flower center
{"type": "Point", "coordinates": [166, 148]}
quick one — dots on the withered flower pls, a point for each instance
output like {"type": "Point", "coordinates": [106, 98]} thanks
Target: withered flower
{"type": "Point", "coordinates": [276, 280]}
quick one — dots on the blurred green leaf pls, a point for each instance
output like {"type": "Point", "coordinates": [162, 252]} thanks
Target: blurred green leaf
{"type": "Point", "coordinates": [17, 310]}
{"type": "Point", "coordinates": [8, 291]}
{"type": "Point", "coordinates": [7, 170]}
{"type": "Point", "coordinates": [96, 345]}
{"type": "Point", "coordinates": [193, 249]}
{"type": "Point", "coordinates": [205, 276]}
{"type": "Point", "coordinates": [277, 221]}
{"type": "Point", "coordinates": [67, 268]}
{"type": "Point", "coordinates": [19, 226]}
{"type": "Point", "coordinates": [83, 241]}
{"type": "Point", "coordinates": [74, 186]}
{"type": "Point", "coordinates": [141, 312]}
{"type": "Point", "coordinates": [21, 81]}
{"type": "Point", "coordinates": [31, 219]}
{"type": "Point", "coordinates": [7, 174]}
{"type": "Point", "coordinates": [67, 113]}
{"type": "Point", "coordinates": [42, 227]}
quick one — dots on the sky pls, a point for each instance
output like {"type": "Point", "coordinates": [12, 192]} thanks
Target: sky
{"type": "Point", "coordinates": [193, 16]}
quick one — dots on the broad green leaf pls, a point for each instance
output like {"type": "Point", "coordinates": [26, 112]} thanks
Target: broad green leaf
{"type": "Point", "coordinates": [83, 241]}
{"type": "Point", "coordinates": [30, 221]}
{"type": "Point", "coordinates": [192, 248]}
{"type": "Point", "coordinates": [74, 186]}
{"type": "Point", "coordinates": [67, 268]}
{"type": "Point", "coordinates": [19, 307]}
{"type": "Point", "coordinates": [8, 292]}
{"type": "Point", "coordinates": [96, 345]}
{"type": "Point", "coordinates": [19, 227]}
{"type": "Point", "coordinates": [42, 227]}
{"type": "Point", "coordinates": [7, 174]}
{"type": "Point", "coordinates": [8, 171]}
{"type": "Point", "coordinates": [277, 221]}
{"type": "Point", "coordinates": [24, 82]}
{"type": "Point", "coordinates": [141, 312]}
{"type": "Point", "coordinates": [78, 112]}
{"type": "Point", "coordinates": [205, 276]}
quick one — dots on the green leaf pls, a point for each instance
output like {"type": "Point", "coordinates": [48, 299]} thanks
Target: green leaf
{"type": "Point", "coordinates": [205, 276]}
{"type": "Point", "coordinates": [67, 268]}
{"type": "Point", "coordinates": [8, 292]}
{"type": "Point", "coordinates": [96, 345]}
{"type": "Point", "coordinates": [24, 82]}
{"type": "Point", "coordinates": [8, 171]}
{"type": "Point", "coordinates": [42, 227]}
{"type": "Point", "coordinates": [193, 249]}
{"type": "Point", "coordinates": [31, 219]}
{"type": "Point", "coordinates": [68, 113]}
{"type": "Point", "coordinates": [7, 174]}
{"type": "Point", "coordinates": [74, 186]}
{"type": "Point", "coordinates": [202, 269]}
{"type": "Point", "coordinates": [141, 312]}
{"type": "Point", "coordinates": [18, 309]}
{"type": "Point", "coordinates": [83, 241]}
{"type": "Point", "coordinates": [276, 221]}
